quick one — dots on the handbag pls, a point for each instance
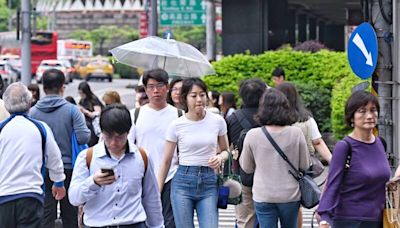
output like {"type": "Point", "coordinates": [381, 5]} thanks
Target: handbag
{"type": "Point", "coordinates": [229, 186]}
{"type": "Point", "coordinates": [96, 125]}
{"type": "Point", "coordinates": [316, 168]}
{"type": "Point", "coordinates": [310, 192]}
{"type": "Point", "coordinates": [76, 147]}
{"type": "Point", "coordinates": [391, 210]}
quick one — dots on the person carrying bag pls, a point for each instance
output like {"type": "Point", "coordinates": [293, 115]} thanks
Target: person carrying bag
{"type": "Point", "coordinates": [310, 192]}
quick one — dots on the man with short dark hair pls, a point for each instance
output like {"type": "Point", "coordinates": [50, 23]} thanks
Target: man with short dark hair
{"type": "Point", "coordinates": [149, 131]}
{"type": "Point", "coordinates": [63, 118]}
{"type": "Point", "coordinates": [250, 91]}
{"type": "Point", "coordinates": [278, 76]}
{"type": "Point", "coordinates": [26, 147]}
{"type": "Point", "coordinates": [114, 180]}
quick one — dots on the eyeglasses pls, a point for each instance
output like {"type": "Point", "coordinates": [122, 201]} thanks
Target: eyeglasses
{"type": "Point", "coordinates": [118, 138]}
{"type": "Point", "coordinates": [363, 111]}
{"type": "Point", "coordinates": [153, 86]}
{"type": "Point", "coordinates": [175, 89]}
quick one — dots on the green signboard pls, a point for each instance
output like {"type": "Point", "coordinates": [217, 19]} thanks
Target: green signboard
{"type": "Point", "coordinates": [182, 12]}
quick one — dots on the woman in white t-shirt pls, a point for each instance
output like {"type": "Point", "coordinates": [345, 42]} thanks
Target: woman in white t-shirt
{"type": "Point", "coordinates": [308, 126]}
{"type": "Point", "coordinates": [198, 134]}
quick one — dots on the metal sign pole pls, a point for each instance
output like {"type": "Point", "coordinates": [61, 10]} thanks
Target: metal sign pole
{"type": "Point", "coordinates": [26, 71]}
{"type": "Point", "coordinates": [382, 79]}
{"type": "Point", "coordinates": [396, 79]}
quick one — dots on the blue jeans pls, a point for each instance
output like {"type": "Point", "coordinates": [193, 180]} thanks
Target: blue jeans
{"type": "Point", "coordinates": [195, 187]}
{"type": "Point", "coordinates": [268, 214]}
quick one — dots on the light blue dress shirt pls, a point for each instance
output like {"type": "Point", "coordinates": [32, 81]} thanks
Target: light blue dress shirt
{"type": "Point", "coordinates": [134, 197]}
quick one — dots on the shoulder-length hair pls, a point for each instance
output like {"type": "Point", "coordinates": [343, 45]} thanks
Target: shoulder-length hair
{"type": "Point", "coordinates": [295, 102]}
{"type": "Point", "coordinates": [171, 85]}
{"type": "Point", "coordinates": [187, 85]}
{"type": "Point", "coordinates": [356, 101]}
{"type": "Point", "coordinates": [274, 109]}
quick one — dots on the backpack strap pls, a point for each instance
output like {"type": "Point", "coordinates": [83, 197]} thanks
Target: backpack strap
{"type": "Point", "coordinates": [136, 115]}
{"type": "Point", "coordinates": [89, 155]}
{"type": "Point", "coordinates": [40, 127]}
{"type": "Point", "coordinates": [243, 121]}
{"type": "Point", "coordinates": [383, 142]}
{"type": "Point", "coordinates": [180, 112]}
{"type": "Point", "coordinates": [348, 156]}
{"type": "Point", "coordinates": [43, 135]}
{"type": "Point", "coordinates": [144, 157]}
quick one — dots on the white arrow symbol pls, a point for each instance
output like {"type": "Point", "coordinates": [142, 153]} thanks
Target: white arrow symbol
{"type": "Point", "coordinates": [360, 44]}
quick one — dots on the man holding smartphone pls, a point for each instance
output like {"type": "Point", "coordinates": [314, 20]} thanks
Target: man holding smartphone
{"type": "Point", "coordinates": [113, 181]}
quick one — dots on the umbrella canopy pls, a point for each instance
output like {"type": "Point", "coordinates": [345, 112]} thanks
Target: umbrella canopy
{"type": "Point", "coordinates": [177, 58]}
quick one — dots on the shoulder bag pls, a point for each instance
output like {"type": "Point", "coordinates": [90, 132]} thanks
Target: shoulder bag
{"type": "Point", "coordinates": [310, 192]}
{"type": "Point", "coordinates": [230, 186]}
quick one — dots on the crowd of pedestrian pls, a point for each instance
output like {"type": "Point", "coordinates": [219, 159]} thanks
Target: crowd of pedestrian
{"type": "Point", "coordinates": [157, 164]}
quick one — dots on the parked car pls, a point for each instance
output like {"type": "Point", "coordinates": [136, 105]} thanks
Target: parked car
{"type": "Point", "coordinates": [8, 73]}
{"type": "Point", "coordinates": [96, 68]}
{"type": "Point", "coordinates": [70, 69]}
{"type": "Point", "coordinates": [49, 64]}
{"type": "Point", "coordinates": [16, 66]}
{"type": "Point", "coordinates": [80, 66]}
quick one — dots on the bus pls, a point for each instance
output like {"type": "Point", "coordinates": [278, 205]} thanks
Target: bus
{"type": "Point", "coordinates": [74, 49]}
{"type": "Point", "coordinates": [43, 46]}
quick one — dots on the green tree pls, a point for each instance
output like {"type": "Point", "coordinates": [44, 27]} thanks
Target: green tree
{"type": "Point", "coordinates": [4, 14]}
{"type": "Point", "coordinates": [103, 34]}
{"type": "Point", "coordinates": [194, 35]}
{"type": "Point", "coordinates": [80, 34]}
{"type": "Point", "coordinates": [41, 23]}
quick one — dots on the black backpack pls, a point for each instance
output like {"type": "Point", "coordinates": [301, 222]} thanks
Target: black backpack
{"type": "Point", "coordinates": [246, 126]}
{"type": "Point", "coordinates": [247, 179]}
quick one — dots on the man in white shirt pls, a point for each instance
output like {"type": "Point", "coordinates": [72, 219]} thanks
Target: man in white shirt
{"type": "Point", "coordinates": [26, 146]}
{"type": "Point", "coordinates": [150, 129]}
{"type": "Point", "coordinates": [115, 180]}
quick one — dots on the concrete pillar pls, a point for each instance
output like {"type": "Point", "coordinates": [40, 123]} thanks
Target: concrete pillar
{"type": "Point", "coordinates": [244, 26]}
{"type": "Point", "coordinates": [302, 27]}
{"type": "Point", "coordinates": [334, 36]}
{"type": "Point", "coordinates": [312, 28]}
{"type": "Point", "coordinates": [291, 27]}
{"type": "Point", "coordinates": [277, 15]}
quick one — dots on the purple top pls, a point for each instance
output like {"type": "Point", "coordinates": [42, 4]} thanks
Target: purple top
{"type": "Point", "coordinates": [361, 194]}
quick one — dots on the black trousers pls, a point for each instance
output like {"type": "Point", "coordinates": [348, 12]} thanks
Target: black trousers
{"type": "Point", "coordinates": [168, 215]}
{"type": "Point", "coordinates": [356, 224]}
{"type": "Point", "coordinates": [137, 225]}
{"type": "Point", "coordinates": [21, 213]}
{"type": "Point", "coordinates": [69, 213]}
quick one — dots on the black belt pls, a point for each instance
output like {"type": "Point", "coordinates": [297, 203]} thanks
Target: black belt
{"type": "Point", "coordinates": [136, 225]}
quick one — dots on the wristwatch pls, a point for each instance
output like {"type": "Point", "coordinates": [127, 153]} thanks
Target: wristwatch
{"type": "Point", "coordinates": [323, 222]}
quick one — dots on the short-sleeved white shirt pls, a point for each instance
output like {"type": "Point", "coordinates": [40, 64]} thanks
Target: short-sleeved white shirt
{"type": "Point", "coordinates": [197, 140]}
{"type": "Point", "coordinates": [315, 134]}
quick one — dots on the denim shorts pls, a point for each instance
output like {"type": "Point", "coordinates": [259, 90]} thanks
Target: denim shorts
{"type": "Point", "coordinates": [195, 187]}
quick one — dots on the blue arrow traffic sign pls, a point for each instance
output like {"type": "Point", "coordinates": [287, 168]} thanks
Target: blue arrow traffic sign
{"type": "Point", "coordinates": [362, 50]}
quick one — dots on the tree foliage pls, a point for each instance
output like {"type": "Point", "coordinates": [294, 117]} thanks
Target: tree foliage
{"type": "Point", "coordinates": [194, 35]}
{"type": "Point", "coordinates": [106, 34]}
{"type": "Point", "coordinates": [314, 74]}
{"type": "Point", "coordinates": [4, 15]}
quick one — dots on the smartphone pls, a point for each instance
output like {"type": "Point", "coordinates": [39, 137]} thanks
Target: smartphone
{"type": "Point", "coordinates": [110, 172]}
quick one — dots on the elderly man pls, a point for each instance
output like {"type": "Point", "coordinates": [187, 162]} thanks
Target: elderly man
{"type": "Point", "coordinates": [26, 147]}
{"type": "Point", "coordinates": [114, 179]}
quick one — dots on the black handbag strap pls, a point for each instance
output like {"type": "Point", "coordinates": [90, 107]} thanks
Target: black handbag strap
{"type": "Point", "coordinates": [280, 152]}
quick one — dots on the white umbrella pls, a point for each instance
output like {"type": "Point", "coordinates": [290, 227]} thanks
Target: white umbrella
{"type": "Point", "coordinates": [177, 58]}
